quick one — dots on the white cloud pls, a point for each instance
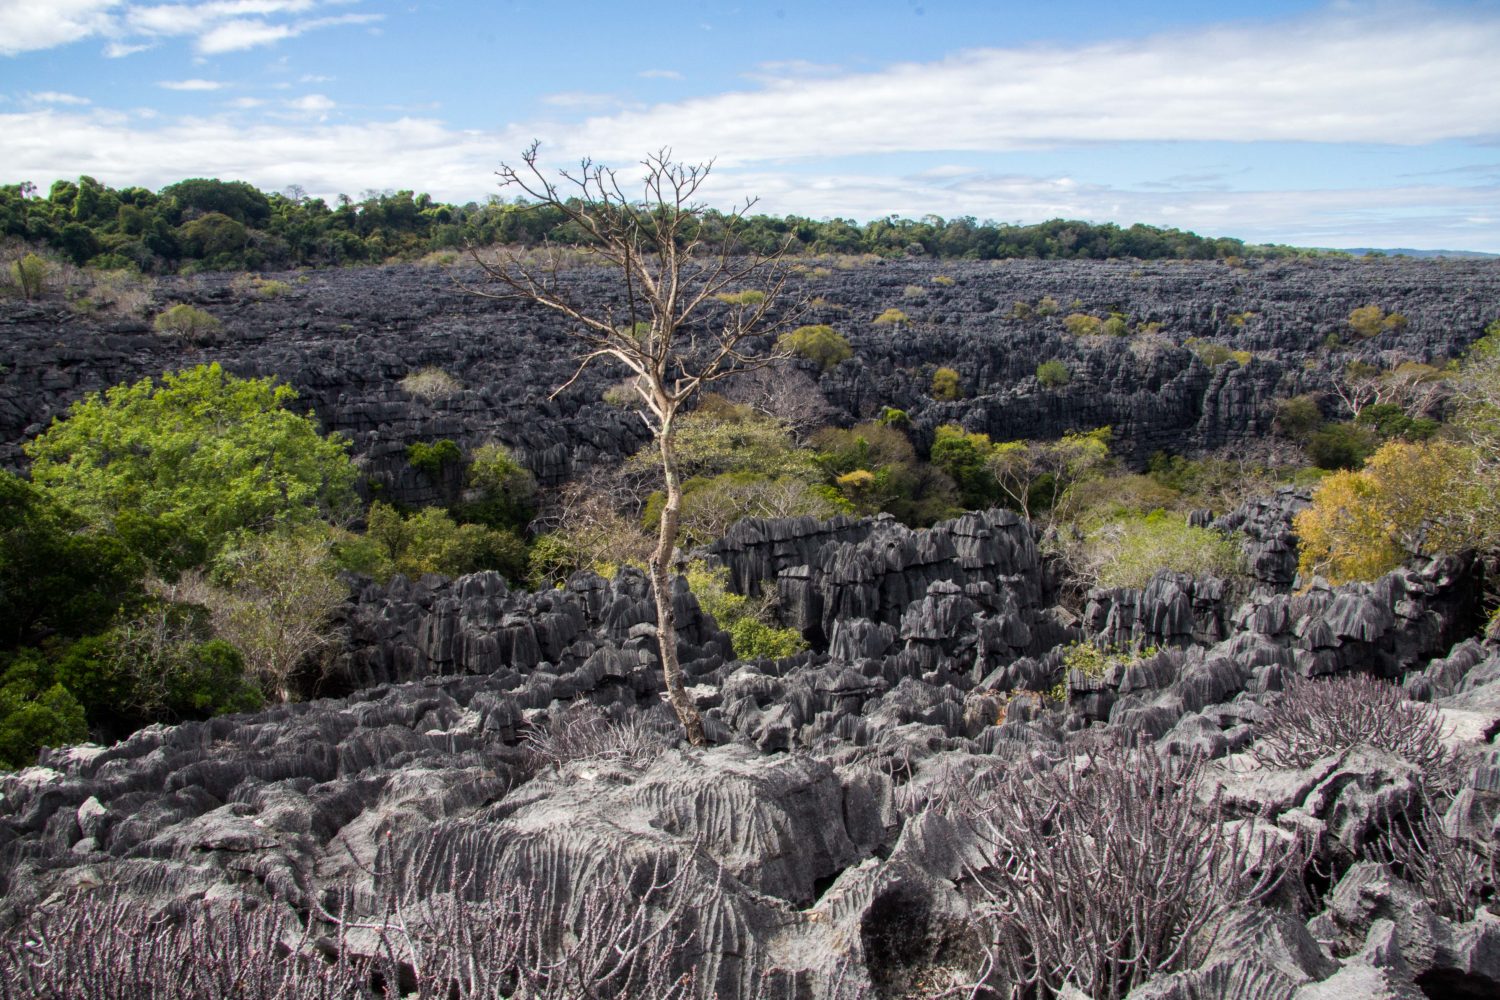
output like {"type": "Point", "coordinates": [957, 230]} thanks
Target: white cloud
{"type": "Point", "coordinates": [659, 74]}
{"type": "Point", "coordinates": [28, 25]}
{"type": "Point", "coordinates": [55, 97]}
{"type": "Point", "coordinates": [231, 36]}
{"type": "Point", "coordinates": [581, 99]}
{"type": "Point", "coordinates": [190, 84]}
{"type": "Point", "coordinates": [458, 165]}
{"type": "Point", "coordinates": [119, 50]}
{"type": "Point", "coordinates": [218, 26]}
{"type": "Point", "coordinates": [246, 102]}
{"type": "Point", "coordinates": [311, 104]}
{"type": "Point", "coordinates": [1336, 78]}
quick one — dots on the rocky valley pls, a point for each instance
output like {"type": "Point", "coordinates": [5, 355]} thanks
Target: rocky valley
{"type": "Point", "coordinates": [935, 798]}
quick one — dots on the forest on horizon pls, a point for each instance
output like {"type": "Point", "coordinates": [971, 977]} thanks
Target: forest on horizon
{"type": "Point", "coordinates": [214, 225]}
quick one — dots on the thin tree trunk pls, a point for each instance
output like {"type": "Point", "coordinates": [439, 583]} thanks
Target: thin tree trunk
{"type": "Point", "coordinates": [661, 585]}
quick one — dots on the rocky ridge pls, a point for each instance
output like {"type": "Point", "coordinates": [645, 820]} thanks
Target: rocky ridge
{"type": "Point", "coordinates": [818, 836]}
{"type": "Point", "coordinates": [345, 338]}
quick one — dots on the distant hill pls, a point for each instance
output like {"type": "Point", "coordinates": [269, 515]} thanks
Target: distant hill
{"type": "Point", "coordinates": [1422, 254]}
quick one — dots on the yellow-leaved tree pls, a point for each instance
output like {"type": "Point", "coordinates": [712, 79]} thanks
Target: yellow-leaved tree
{"type": "Point", "coordinates": [1410, 499]}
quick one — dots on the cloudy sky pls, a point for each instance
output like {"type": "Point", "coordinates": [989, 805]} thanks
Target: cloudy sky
{"type": "Point", "coordinates": [1314, 123]}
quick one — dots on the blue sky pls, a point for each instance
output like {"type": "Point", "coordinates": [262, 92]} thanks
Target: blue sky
{"type": "Point", "coordinates": [1314, 123]}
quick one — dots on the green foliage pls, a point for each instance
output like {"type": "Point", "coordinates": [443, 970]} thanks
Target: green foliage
{"type": "Point", "coordinates": [1094, 661]}
{"type": "Point", "coordinates": [430, 541]}
{"type": "Point", "coordinates": [1211, 354]}
{"type": "Point", "coordinates": [748, 297]}
{"type": "Point", "coordinates": [1298, 417]}
{"type": "Point", "coordinates": [1047, 306]}
{"type": "Point", "coordinates": [1128, 551]}
{"type": "Point", "coordinates": [750, 623]}
{"type": "Point", "coordinates": [719, 436]}
{"type": "Point", "coordinates": [209, 679]}
{"type": "Point", "coordinates": [1341, 446]}
{"type": "Point", "coordinates": [1367, 321]}
{"type": "Point", "coordinates": [892, 417]}
{"type": "Point", "coordinates": [891, 317]}
{"type": "Point", "coordinates": [432, 459]}
{"type": "Point", "coordinates": [711, 504]}
{"type": "Point", "coordinates": [1082, 324]}
{"type": "Point", "coordinates": [1039, 476]}
{"type": "Point", "coordinates": [1053, 374]}
{"type": "Point", "coordinates": [820, 344]}
{"type": "Point", "coordinates": [211, 224]}
{"type": "Point", "coordinates": [29, 275]}
{"type": "Point", "coordinates": [274, 597]}
{"type": "Point", "coordinates": [1219, 482]}
{"type": "Point", "coordinates": [1389, 420]}
{"type": "Point", "coordinates": [945, 385]}
{"type": "Point", "coordinates": [916, 493]}
{"type": "Point", "coordinates": [506, 490]}
{"type": "Point", "coordinates": [188, 322]}
{"type": "Point", "coordinates": [1115, 326]}
{"type": "Point", "coordinates": [179, 468]}
{"type": "Point", "coordinates": [161, 664]}
{"type": "Point", "coordinates": [56, 578]}
{"type": "Point", "coordinates": [964, 456]}
{"type": "Point", "coordinates": [35, 712]}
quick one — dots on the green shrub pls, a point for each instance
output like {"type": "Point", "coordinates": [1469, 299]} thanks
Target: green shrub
{"type": "Point", "coordinates": [1129, 551]}
{"type": "Point", "coordinates": [1052, 374]}
{"type": "Point", "coordinates": [1341, 446]}
{"type": "Point", "coordinates": [749, 623]}
{"type": "Point", "coordinates": [892, 317]}
{"type": "Point", "coordinates": [176, 469]}
{"type": "Point", "coordinates": [1211, 354]}
{"type": "Point", "coordinates": [188, 322]}
{"type": "Point", "coordinates": [1367, 321]}
{"type": "Point", "coordinates": [820, 344]}
{"type": "Point", "coordinates": [1298, 417]}
{"type": "Point", "coordinates": [1082, 324]}
{"type": "Point", "coordinates": [748, 297]}
{"type": "Point", "coordinates": [30, 275]}
{"type": "Point", "coordinates": [431, 459]}
{"type": "Point", "coordinates": [945, 384]}
{"type": "Point", "coordinates": [1094, 661]}
{"type": "Point", "coordinates": [430, 541]}
{"type": "Point", "coordinates": [890, 416]}
{"type": "Point", "coordinates": [965, 457]}
{"type": "Point", "coordinates": [507, 490]}
{"type": "Point", "coordinates": [1047, 306]}
{"type": "Point", "coordinates": [35, 712]}
{"type": "Point", "coordinates": [1115, 326]}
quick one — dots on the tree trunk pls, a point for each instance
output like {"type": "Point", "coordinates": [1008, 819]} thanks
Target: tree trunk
{"type": "Point", "coordinates": [661, 585]}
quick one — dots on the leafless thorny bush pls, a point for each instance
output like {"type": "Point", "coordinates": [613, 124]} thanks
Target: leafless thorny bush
{"type": "Point", "coordinates": [1458, 875]}
{"type": "Point", "coordinates": [630, 932]}
{"type": "Point", "coordinates": [1316, 718]}
{"type": "Point", "coordinates": [1105, 868]}
{"type": "Point", "coordinates": [103, 945]}
{"type": "Point", "coordinates": [783, 391]}
{"type": "Point", "coordinates": [584, 733]}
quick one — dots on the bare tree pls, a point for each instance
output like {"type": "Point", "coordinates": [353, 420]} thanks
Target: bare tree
{"type": "Point", "coordinates": [684, 321]}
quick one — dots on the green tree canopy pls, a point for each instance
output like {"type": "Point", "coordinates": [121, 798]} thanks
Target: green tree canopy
{"type": "Point", "coordinates": [179, 468]}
